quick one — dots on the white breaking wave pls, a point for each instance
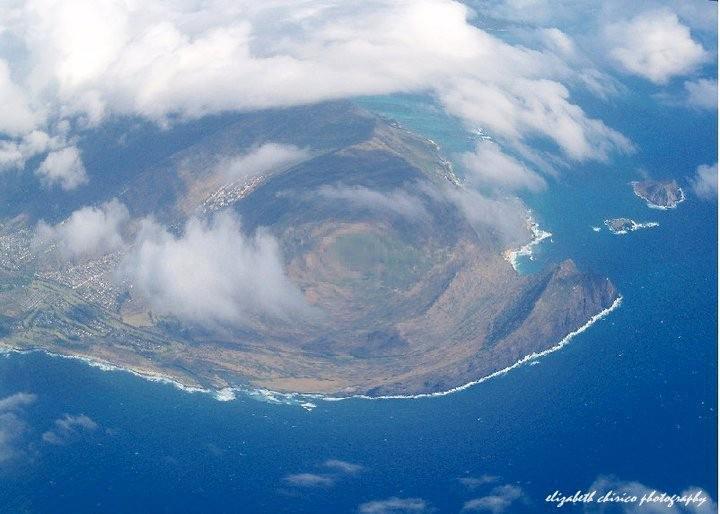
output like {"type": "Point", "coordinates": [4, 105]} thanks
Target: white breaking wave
{"type": "Point", "coordinates": [226, 394]}
{"type": "Point", "coordinates": [150, 376]}
{"type": "Point", "coordinates": [634, 225]}
{"type": "Point", "coordinates": [539, 235]}
{"type": "Point", "coordinates": [662, 207]}
{"type": "Point", "coordinates": [304, 399]}
{"type": "Point", "coordinates": [528, 358]}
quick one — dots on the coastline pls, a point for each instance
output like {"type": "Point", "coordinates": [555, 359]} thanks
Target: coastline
{"type": "Point", "coordinates": [150, 376]}
{"type": "Point", "coordinates": [634, 226]}
{"type": "Point", "coordinates": [304, 400]}
{"type": "Point", "coordinates": [526, 250]}
{"type": "Point", "coordinates": [527, 359]}
{"type": "Point", "coordinates": [652, 205]}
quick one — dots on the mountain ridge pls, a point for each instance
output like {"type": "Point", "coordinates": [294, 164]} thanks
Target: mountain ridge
{"type": "Point", "coordinates": [410, 296]}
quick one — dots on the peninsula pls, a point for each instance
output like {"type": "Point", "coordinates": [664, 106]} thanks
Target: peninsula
{"type": "Point", "coordinates": [407, 295]}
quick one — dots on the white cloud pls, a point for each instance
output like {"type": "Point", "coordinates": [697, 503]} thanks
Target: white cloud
{"type": "Point", "coordinates": [503, 219]}
{"type": "Point", "coordinates": [36, 142]}
{"type": "Point", "coordinates": [187, 59]}
{"type": "Point", "coordinates": [520, 109]}
{"type": "Point", "coordinates": [702, 94]}
{"type": "Point", "coordinates": [213, 273]}
{"type": "Point", "coordinates": [309, 480]}
{"type": "Point", "coordinates": [10, 156]}
{"type": "Point", "coordinates": [63, 167]}
{"type": "Point", "coordinates": [705, 181]}
{"type": "Point", "coordinates": [88, 232]}
{"type": "Point", "coordinates": [17, 117]}
{"type": "Point", "coordinates": [69, 427]}
{"type": "Point", "coordinates": [12, 425]}
{"type": "Point", "coordinates": [555, 39]}
{"type": "Point", "coordinates": [14, 153]}
{"type": "Point", "coordinates": [474, 482]}
{"type": "Point", "coordinates": [348, 468]}
{"type": "Point", "coordinates": [394, 505]}
{"type": "Point", "coordinates": [605, 484]}
{"type": "Point", "coordinates": [497, 502]}
{"type": "Point", "coordinates": [182, 59]}
{"type": "Point", "coordinates": [654, 45]}
{"type": "Point", "coordinates": [265, 158]}
{"type": "Point", "coordinates": [571, 13]}
{"type": "Point", "coordinates": [16, 400]}
{"type": "Point", "coordinates": [338, 469]}
{"type": "Point", "coordinates": [397, 202]}
{"type": "Point", "coordinates": [488, 165]}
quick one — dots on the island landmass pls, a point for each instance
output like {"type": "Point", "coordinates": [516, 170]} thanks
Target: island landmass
{"type": "Point", "coordinates": [622, 226]}
{"type": "Point", "coordinates": [409, 305]}
{"type": "Point", "coordinates": [659, 194]}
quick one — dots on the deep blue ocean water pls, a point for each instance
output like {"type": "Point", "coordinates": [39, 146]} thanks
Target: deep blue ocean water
{"type": "Point", "coordinates": [633, 397]}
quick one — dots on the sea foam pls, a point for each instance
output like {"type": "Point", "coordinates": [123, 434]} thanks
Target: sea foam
{"type": "Point", "coordinates": [661, 207]}
{"type": "Point", "coordinates": [307, 400]}
{"type": "Point", "coordinates": [533, 357]}
{"type": "Point", "coordinates": [539, 235]}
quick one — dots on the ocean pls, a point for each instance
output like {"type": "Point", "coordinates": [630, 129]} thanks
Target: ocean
{"type": "Point", "coordinates": [633, 397]}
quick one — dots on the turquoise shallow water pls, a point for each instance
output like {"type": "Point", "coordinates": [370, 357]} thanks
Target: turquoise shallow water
{"type": "Point", "coordinates": [634, 396]}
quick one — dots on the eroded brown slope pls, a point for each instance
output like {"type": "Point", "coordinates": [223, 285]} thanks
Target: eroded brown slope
{"type": "Point", "coordinates": [408, 300]}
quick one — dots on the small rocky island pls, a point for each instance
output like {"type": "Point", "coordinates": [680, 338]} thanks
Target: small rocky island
{"type": "Point", "coordinates": [659, 194]}
{"type": "Point", "coordinates": [624, 225]}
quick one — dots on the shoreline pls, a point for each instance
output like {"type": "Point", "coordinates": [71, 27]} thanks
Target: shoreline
{"type": "Point", "coordinates": [526, 250]}
{"type": "Point", "coordinates": [103, 365]}
{"type": "Point", "coordinates": [652, 205]}
{"type": "Point", "coordinates": [527, 359]}
{"type": "Point", "coordinates": [304, 400]}
{"type": "Point", "coordinates": [634, 226]}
